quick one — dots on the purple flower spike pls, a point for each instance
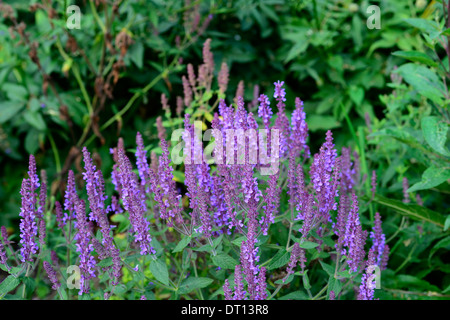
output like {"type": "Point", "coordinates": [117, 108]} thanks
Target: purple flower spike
{"type": "Point", "coordinates": [71, 197]}
{"type": "Point", "coordinates": [28, 226]}
{"type": "Point", "coordinates": [52, 275]}
{"type": "Point", "coordinates": [84, 247]}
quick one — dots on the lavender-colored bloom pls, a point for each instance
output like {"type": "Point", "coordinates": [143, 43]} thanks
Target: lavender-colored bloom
{"type": "Point", "coordinates": [164, 103]}
{"type": "Point", "coordinates": [28, 226]}
{"type": "Point", "coordinates": [239, 90]}
{"type": "Point", "coordinates": [280, 92]}
{"type": "Point", "coordinates": [261, 292]}
{"type": "Point", "coordinates": [295, 257]}
{"type": "Point", "coordinates": [347, 171]}
{"type": "Point", "coordinates": [385, 257]}
{"type": "Point", "coordinates": [141, 161]}
{"type": "Point", "coordinates": [228, 293]}
{"type": "Point", "coordinates": [272, 199]}
{"type": "Point", "coordinates": [180, 106]}
{"type": "Point", "coordinates": [239, 292]}
{"type": "Point", "coordinates": [205, 217]}
{"type": "Point", "coordinates": [91, 178]}
{"type": "Point", "coordinates": [59, 215]}
{"type": "Point", "coordinates": [307, 213]}
{"type": "Point", "coordinates": [321, 171]}
{"type": "Point", "coordinates": [264, 110]}
{"type": "Point", "coordinates": [191, 75]}
{"type": "Point", "coordinates": [332, 295]}
{"type": "Point", "coordinates": [71, 197]}
{"type": "Point", "coordinates": [161, 130]}
{"type": "Point", "coordinates": [419, 200]}
{"type": "Point", "coordinates": [42, 233]}
{"type": "Point", "coordinates": [299, 132]}
{"type": "Point", "coordinates": [187, 91]}
{"type": "Point", "coordinates": [143, 297]}
{"type": "Point", "coordinates": [223, 77]}
{"type": "Point", "coordinates": [84, 247]}
{"type": "Point", "coordinates": [4, 234]}
{"type": "Point", "coordinates": [54, 258]}
{"type": "Point", "coordinates": [132, 203]}
{"type": "Point", "coordinates": [42, 200]}
{"type": "Point", "coordinates": [3, 256]}
{"type": "Point", "coordinates": [52, 275]}
{"type": "Point", "coordinates": [116, 266]}
{"type": "Point", "coordinates": [366, 289]}
{"type": "Point", "coordinates": [354, 237]}
{"type": "Point", "coordinates": [378, 239]}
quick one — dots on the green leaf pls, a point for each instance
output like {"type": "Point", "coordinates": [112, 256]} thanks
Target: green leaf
{"type": "Point", "coordinates": [182, 244]}
{"type": "Point", "coordinates": [308, 245]}
{"type": "Point", "coordinates": [435, 134]}
{"type": "Point", "coordinates": [416, 56]}
{"type": "Point", "coordinates": [224, 261]}
{"type": "Point", "coordinates": [288, 280]}
{"type": "Point", "coordinates": [442, 244]}
{"type": "Point", "coordinates": [105, 262]}
{"type": "Point", "coordinates": [306, 283]}
{"type": "Point", "coordinates": [428, 26]}
{"type": "Point", "coordinates": [329, 269]}
{"type": "Point", "coordinates": [15, 92]}
{"type": "Point", "coordinates": [8, 285]}
{"type": "Point", "coordinates": [9, 109]}
{"type": "Point", "coordinates": [35, 119]}
{"type": "Point", "coordinates": [423, 80]}
{"type": "Point", "coordinates": [193, 283]}
{"type": "Point", "coordinates": [412, 210]}
{"type": "Point", "coordinates": [431, 178]}
{"type": "Point", "coordinates": [159, 270]}
{"type": "Point", "coordinates": [280, 259]}
{"type": "Point", "coordinates": [357, 95]}
{"type": "Point", "coordinates": [447, 223]}
{"type": "Point", "coordinates": [32, 141]}
{"type": "Point", "coordinates": [296, 295]}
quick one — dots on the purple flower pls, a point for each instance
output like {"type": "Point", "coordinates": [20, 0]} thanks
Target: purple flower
{"type": "Point", "coordinates": [228, 293]}
{"type": "Point", "coordinates": [405, 190]}
{"type": "Point", "coordinates": [71, 197]}
{"type": "Point", "coordinates": [42, 233]}
{"type": "Point", "coordinates": [378, 239]}
{"type": "Point", "coordinates": [272, 199]}
{"type": "Point", "coordinates": [264, 110]}
{"type": "Point", "coordinates": [354, 238]}
{"type": "Point", "coordinates": [84, 248]}
{"type": "Point", "coordinates": [28, 226]}
{"type": "Point", "coordinates": [295, 258]}
{"type": "Point", "coordinates": [52, 275]}
{"type": "Point", "coordinates": [279, 93]}
{"type": "Point", "coordinates": [3, 256]}
{"type": "Point", "coordinates": [239, 292]}
{"type": "Point", "coordinates": [132, 203]}
{"type": "Point", "coordinates": [299, 132]}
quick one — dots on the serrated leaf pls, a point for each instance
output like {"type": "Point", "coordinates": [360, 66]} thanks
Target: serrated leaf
{"type": "Point", "coordinates": [328, 269]}
{"type": "Point", "coordinates": [105, 262]}
{"type": "Point", "coordinates": [280, 259]}
{"type": "Point", "coordinates": [182, 244]}
{"type": "Point", "coordinates": [193, 283]}
{"type": "Point", "coordinates": [296, 295]}
{"type": "Point", "coordinates": [435, 134]}
{"type": "Point", "coordinates": [411, 210]}
{"type": "Point", "coordinates": [308, 245]}
{"type": "Point", "coordinates": [224, 261]}
{"type": "Point", "coordinates": [431, 178]}
{"type": "Point", "coordinates": [159, 270]}
{"type": "Point", "coordinates": [416, 56]}
{"type": "Point", "coordinates": [8, 285]}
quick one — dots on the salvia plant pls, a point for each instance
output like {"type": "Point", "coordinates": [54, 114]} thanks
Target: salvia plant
{"type": "Point", "coordinates": [258, 215]}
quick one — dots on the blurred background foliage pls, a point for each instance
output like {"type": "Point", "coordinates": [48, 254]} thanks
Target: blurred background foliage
{"type": "Point", "coordinates": [383, 92]}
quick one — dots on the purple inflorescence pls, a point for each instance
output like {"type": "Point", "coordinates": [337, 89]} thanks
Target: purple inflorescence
{"type": "Point", "coordinates": [52, 275]}
{"type": "Point", "coordinates": [132, 202]}
{"type": "Point", "coordinates": [84, 248]}
{"type": "Point", "coordinates": [28, 225]}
